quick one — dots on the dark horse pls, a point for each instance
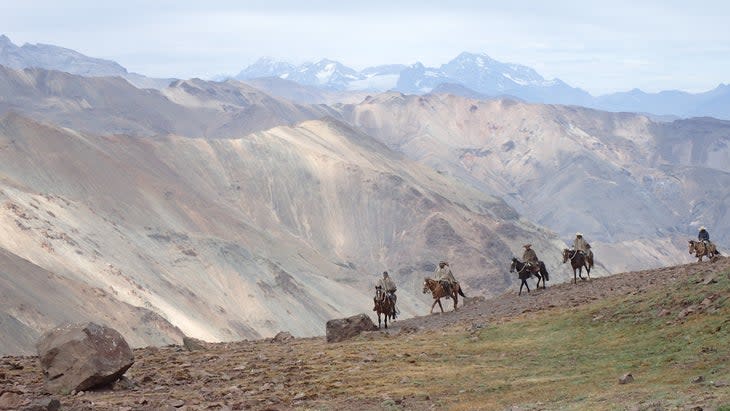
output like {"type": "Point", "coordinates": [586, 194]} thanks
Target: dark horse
{"type": "Point", "coordinates": [700, 249]}
{"type": "Point", "coordinates": [578, 260]}
{"type": "Point", "coordinates": [525, 271]}
{"type": "Point", "coordinates": [438, 292]}
{"type": "Point", "coordinates": [384, 304]}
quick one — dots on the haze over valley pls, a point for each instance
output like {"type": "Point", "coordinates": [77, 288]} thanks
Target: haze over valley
{"type": "Point", "coordinates": [271, 201]}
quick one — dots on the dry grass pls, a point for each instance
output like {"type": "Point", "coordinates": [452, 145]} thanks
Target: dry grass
{"type": "Point", "coordinates": [554, 359]}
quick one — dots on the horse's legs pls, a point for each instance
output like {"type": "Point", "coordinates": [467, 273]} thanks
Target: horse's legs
{"type": "Point", "coordinates": [456, 300]}
{"type": "Point", "coordinates": [378, 319]}
{"type": "Point", "coordinates": [440, 306]}
{"type": "Point", "coordinates": [434, 305]}
{"type": "Point", "coordinates": [588, 271]}
{"type": "Point", "coordinates": [386, 321]}
{"type": "Point", "coordinates": [521, 285]}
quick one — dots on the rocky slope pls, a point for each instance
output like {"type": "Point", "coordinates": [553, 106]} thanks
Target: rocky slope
{"type": "Point", "coordinates": [241, 238]}
{"type": "Point", "coordinates": [636, 188]}
{"type": "Point", "coordinates": [110, 105]}
{"type": "Point", "coordinates": [480, 357]}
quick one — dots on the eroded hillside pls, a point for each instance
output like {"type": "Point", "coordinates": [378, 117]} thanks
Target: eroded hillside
{"type": "Point", "coordinates": [638, 189]}
{"type": "Point", "coordinates": [240, 238]}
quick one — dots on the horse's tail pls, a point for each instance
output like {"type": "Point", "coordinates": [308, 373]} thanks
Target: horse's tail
{"type": "Point", "coordinates": [461, 293]}
{"type": "Point", "coordinates": [544, 272]}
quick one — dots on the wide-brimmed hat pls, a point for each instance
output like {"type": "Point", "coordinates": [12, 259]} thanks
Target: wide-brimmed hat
{"type": "Point", "coordinates": [578, 235]}
{"type": "Point", "coordinates": [443, 262]}
{"type": "Point", "coordinates": [385, 273]}
{"type": "Point", "coordinates": [702, 228]}
{"type": "Point", "coordinates": [527, 245]}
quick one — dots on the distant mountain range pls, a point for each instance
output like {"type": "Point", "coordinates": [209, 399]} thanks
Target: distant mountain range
{"type": "Point", "coordinates": [479, 76]}
{"type": "Point", "coordinates": [473, 75]}
{"type": "Point", "coordinates": [51, 57]}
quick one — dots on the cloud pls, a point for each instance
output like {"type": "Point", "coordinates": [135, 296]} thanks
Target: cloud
{"type": "Point", "coordinates": [598, 46]}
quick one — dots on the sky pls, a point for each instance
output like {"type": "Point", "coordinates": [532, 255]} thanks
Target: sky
{"type": "Point", "coordinates": [600, 46]}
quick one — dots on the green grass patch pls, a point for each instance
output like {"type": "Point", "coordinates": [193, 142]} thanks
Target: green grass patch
{"type": "Point", "coordinates": [573, 358]}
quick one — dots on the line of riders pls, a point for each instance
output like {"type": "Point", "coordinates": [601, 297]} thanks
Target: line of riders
{"type": "Point", "coordinates": [530, 266]}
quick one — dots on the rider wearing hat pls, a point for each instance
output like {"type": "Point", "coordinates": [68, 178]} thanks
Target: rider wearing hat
{"type": "Point", "coordinates": [444, 275]}
{"type": "Point", "coordinates": [530, 256]}
{"type": "Point", "coordinates": [388, 286]}
{"type": "Point", "coordinates": [580, 244]}
{"type": "Point", "coordinates": [703, 235]}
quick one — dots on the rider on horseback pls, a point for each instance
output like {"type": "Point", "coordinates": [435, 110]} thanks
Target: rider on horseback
{"type": "Point", "coordinates": [581, 245]}
{"type": "Point", "coordinates": [388, 285]}
{"type": "Point", "coordinates": [704, 236]}
{"type": "Point", "coordinates": [530, 257]}
{"type": "Point", "coordinates": [444, 275]}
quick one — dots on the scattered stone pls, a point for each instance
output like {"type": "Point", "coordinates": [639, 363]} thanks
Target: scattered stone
{"type": "Point", "coordinates": [76, 357]}
{"type": "Point", "coordinates": [709, 279]}
{"type": "Point", "coordinates": [698, 379]}
{"type": "Point", "coordinates": [45, 404]}
{"type": "Point", "coordinates": [408, 329]}
{"type": "Point", "coordinates": [14, 366]}
{"type": "Point", "coordinates": [282, 336]}
{"type": "Point", "coordinates": [626, 379]}
{"type": "Point", "coordinates": [663, 313]}
{"type": "Point", "coordinates": [687, 311]}
{"type": "Point", "coordinates": [477, 326]}
{"type": "Point", "coordinates": [720, 384]}
{"type": "Point", "coordinates": [194, 344]}
{"type": "Point", "coordinates": [346, 328]}
{"type": "Point", "coordinates": [177, 403]}
{"type": "Point", "coordinates": [10, 400]}
{"type": "Point", "coordinates": [473, 300]}
{"type": "Point", "coordinates": [122, 384]}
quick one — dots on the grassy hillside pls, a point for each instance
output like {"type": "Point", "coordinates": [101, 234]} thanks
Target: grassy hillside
{"type": "Point", "coordinates": [559, 358]}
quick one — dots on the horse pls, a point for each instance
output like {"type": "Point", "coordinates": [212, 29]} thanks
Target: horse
{"type": "Point", "coordinates": [384, 305]}
{"type": "Point", "coordinates": [524, 272]}
{"type": "Point", "coordinates": [700, 250]}
{"type": "Point", "coordinates": [578, 260]}
{"type": "Point", "coordinates": [438, 291]}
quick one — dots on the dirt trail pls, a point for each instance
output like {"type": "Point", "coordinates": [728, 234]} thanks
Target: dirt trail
{"type": "Point", "coordinates": [305, 372]}
{"type": "Point", "coordinates": [510, 305]}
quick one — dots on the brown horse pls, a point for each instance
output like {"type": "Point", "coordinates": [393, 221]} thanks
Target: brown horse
{"type": "Point", "coordinates": [438, 292]}
{"type": "Point", "coordinates": [699, 249]}
{"type": "Point", "coordinates": [383, 305]}
{"type": "Point", "coordinates": [578, 260]}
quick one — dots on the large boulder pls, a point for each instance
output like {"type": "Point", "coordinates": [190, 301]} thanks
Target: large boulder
{"type": "Point", "coordinates": [82, 356]}
{"type": "Point", "coordinates": [344, 328]}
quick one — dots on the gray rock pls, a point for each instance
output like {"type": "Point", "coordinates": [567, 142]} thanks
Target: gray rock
{"type": "Point", "coordinates": [194, 344]}
{"type": "Point", "coordinates": [345, 328]}
{"type": "Point", "coordinates": [282, 336]}
{"type": "Point", "coordinates": [45, 404]}
{"type": "Point", "coordinates": [10, 400]}
{"type": "Point", "coordinates": [76, 357]}
{"type": "Point", "coordinates": [626, 379]}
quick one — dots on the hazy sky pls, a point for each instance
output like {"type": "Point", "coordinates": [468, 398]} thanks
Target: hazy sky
{"type": "Point", "coordinates": [601, 46]}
